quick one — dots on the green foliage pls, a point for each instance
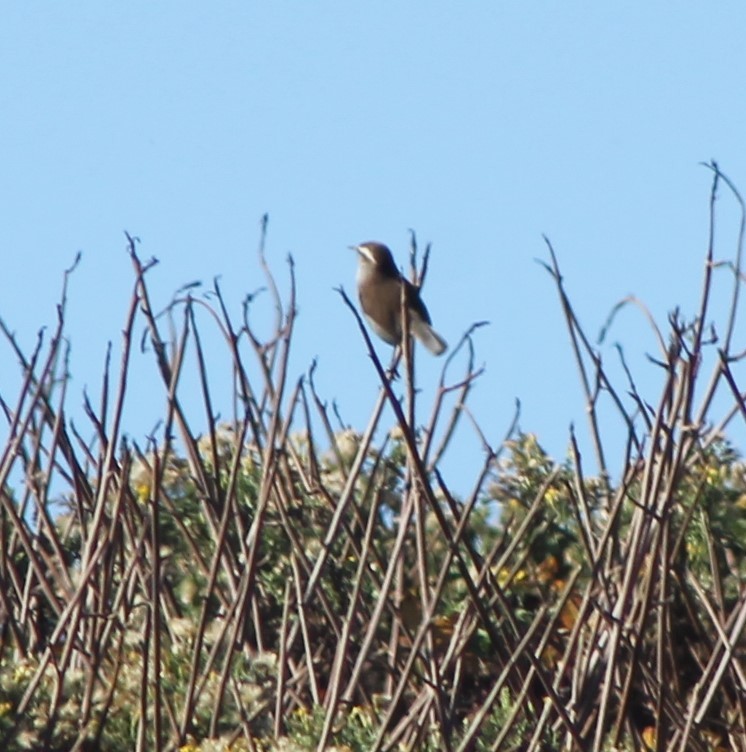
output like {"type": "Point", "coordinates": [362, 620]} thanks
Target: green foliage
{"type": "Point", "coordinates": [709, 518]}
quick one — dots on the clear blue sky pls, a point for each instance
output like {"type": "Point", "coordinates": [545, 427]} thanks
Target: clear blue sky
{"type": "Point", "coordinates": [481, 125]}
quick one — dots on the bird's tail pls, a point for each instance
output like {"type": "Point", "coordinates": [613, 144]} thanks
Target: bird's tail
{"type": "Point", "coordinates": [429, 337]}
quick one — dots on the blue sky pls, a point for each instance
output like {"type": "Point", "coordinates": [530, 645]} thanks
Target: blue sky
{"type": "Point", "coordinates": [481, 125]}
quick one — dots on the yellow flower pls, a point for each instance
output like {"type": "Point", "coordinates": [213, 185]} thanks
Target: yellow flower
{"type": "Point", "coordinates": [551, 496]}
{"type": "Point", "coordinates": [503, 577]}
{"type": "Point", "coordinates": [22, 672]}
{"type": "Point", "coordinates": [514, 504]}
{"type": "Point", "coordinates": [648, 737]}
{"type": "Point", "coordinates": [142, 491]}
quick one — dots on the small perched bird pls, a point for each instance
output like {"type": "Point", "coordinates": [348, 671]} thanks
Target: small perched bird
{"type": "Point", "coordinates": [379, 288]}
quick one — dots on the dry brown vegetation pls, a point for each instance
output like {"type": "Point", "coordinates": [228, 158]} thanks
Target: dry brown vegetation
{"type": "Point", "coordinates": [279, 583]}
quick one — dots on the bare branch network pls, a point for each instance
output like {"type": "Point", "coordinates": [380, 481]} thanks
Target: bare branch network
{"type": "Point", "coordinates": [281, 583]}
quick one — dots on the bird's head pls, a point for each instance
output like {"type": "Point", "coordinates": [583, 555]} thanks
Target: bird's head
{"type": "Point", "coordinates": [376, 257]}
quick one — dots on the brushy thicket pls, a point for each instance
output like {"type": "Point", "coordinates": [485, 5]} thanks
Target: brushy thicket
{"type": "Point", "coordinates": [281, 584]}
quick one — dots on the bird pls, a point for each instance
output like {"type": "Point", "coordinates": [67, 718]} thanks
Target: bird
{"type": "Point", "coordinates": [379, 289]}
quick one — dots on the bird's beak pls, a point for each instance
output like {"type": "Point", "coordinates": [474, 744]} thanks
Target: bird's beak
{"type": "Point", "coordinates": [364, 252]}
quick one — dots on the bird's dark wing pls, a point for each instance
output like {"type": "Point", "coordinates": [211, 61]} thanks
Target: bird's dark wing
{"type": "Point", "coordinates": [414, 301]}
